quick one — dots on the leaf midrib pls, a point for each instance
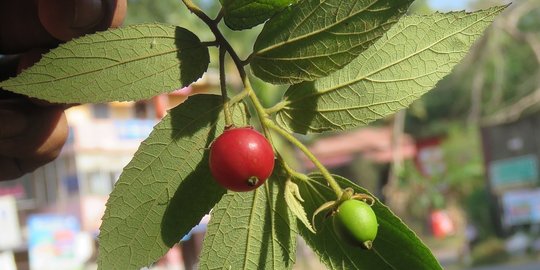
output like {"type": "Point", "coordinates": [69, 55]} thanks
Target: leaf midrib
{"type": "Point", "coordinates": [118, 63]}
{"type": "Point", "coordinates": [354, 107]}
{"type": "Point", "coordinates": [277, 45]}
{"type": "Point", "coordinates": [250, 225]}
{"type": "Point", "coordinates": [298, 58]}
{"type": "Point", "coordinates": [337, 87]}
{"type": "Point", "coordinates": [160, 193]}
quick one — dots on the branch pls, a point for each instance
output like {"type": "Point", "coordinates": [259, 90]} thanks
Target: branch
{"type": "Point", "coordinates": [476, 97]}
{"type": "Point", "coordinates": [514, 111]}
{"type": "Point", "coordinates": [511, 27]}
{"type": "Point", "coordinates": [212, 24]}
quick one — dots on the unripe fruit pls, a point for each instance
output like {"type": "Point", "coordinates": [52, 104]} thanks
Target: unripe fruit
{"type": "Point", "coordinates": [241, 159]}
{"type": "Point", "coordinates": [356, 223]}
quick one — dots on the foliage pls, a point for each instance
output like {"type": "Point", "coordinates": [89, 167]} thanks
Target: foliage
{"type": "Point", "coordinates": [497, 74]}
{"type": "Point", "coordinates": [462, 179]}
{"type": "Point", "coordinates": [462, 175]}
{"type": "Point", "coordinates": [251, 230]}
{"type": "Point", "coordinates": [348, 63]}
{"type": "Point", "coordinates": [239, 15]}
{"type": "Point", "coordinates": [131, 63]}
{"type": "Point", "coordinates": [166, 189]}
{"type": "Point", "coordinates": [393, 235]}
{"type": "Point", "coordinates": [489, 252]}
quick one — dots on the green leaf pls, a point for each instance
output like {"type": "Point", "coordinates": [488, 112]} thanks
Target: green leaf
{"type": "Point", "coordinates": [251, 230]}
{"type": "Point", "coordinates": [401, 66]}
{"type": "Point", "coordinates": [395, 247]}
{"type": "Point", "coordinates": [166, 188]}
{"type": "Point", "coordinates": [131, 63]}
{"type": "Point", "coordinates": [294, 202]}
{"type": "Point", "coordinates": [244, 14]}
{"type": "Point", "coordinates": [315, 38]}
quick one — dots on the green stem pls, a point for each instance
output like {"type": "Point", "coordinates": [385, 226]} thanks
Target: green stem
{"type": "Point", "coordinates": [280, 105]}
{"type": "Point", "coordinates": [223, 86]}
{"type": "Point", "coordinates": [262, 114]}
{"type": "Point", "coordinates": [291, 172]}
{"type": "Point", "coordinates": [238, 97]}
{"type": "Point", "coordinates": [326, 174]}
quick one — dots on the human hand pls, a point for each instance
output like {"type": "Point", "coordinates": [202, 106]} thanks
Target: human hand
{"type": "Point", "coordinates": [33, 132]}
{"type": "Point", "coordinates": [31, 135]}
{"type": "Point", "coordinates": [29, 24]}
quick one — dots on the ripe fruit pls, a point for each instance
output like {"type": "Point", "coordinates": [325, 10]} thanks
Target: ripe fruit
{"type": "Point", "coordinates": [241, 159]}
{"type": "Point", "coordinates": [356, 223]}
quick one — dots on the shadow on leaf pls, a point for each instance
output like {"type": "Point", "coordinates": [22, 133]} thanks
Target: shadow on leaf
{"type": "Point", "coordinates": [302, 108]}
{"type": "Point", "coordinates": [197, 193]}
{"type": "Point", "coordinates": [190, 57]}
{"type": "Point", "coordinates": [280, 228]}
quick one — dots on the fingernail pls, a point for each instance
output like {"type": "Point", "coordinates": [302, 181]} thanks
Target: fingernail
{"type": "Point", "coordinates": [12, 123]}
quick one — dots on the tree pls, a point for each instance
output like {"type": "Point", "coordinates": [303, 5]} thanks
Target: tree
{"type": "Point", "coordinates": [348, 63]}
{"type": "Point", "coordinates": [495, 83]}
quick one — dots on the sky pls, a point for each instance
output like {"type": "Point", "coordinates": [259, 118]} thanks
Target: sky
{"type": "Point", "coordinates": [447, 5]}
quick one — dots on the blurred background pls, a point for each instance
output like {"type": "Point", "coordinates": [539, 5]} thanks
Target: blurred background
{"type": "Point", "coordinates": [459, 166]}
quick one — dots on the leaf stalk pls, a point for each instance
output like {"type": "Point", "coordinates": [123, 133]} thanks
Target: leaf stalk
{"type": "Point", "coordinates": [223, 86]}
{"type": "Point", "coordinates": [262, 113]}
{"type": "Point", "coordinates": [291, 172]}
{"type": "Point", "coordinates": [326, 174]}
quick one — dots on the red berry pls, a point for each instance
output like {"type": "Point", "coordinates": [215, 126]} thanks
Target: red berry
{"type": "Point", "coordinates": [241, 159]}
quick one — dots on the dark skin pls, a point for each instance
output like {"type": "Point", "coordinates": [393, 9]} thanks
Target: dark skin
{"type": "Point", "coordinates": [31, 135]}
{"type": "Point", "coordinates": [33, 132]}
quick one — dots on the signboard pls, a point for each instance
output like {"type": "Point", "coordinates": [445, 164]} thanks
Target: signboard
{"type": "Point", "coordinates": [134, 129]}
{"type": "Point", "coordinates": [521, 207]}
{"type": "Point", "coordinates": [52, 242]}
{"type": "Point", "coordinates": [21, 189]}
{"type": "Point", "coordinates": [7, 261]}
{"type": "Point", "coordinates": [112, 135]}
{"type": "Point", "coordinates": [10, 237]}
{"type": "Point", "coordinates": [512, 172]}
{"type": "Point", "coordinates": [430, 157]}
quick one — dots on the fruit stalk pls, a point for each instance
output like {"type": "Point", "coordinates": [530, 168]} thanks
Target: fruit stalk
{"type": "Point", "coordinates": [326, 174]}
{"type": "Point", "coordinates": [266, 123]}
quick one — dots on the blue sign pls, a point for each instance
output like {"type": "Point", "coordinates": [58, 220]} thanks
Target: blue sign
{"type": "Point", "coordinates": [52, 242]}
{"type": "Point", "coordinates": [135, 129]}
{"type": "Point", "coordinates": [519, 171]}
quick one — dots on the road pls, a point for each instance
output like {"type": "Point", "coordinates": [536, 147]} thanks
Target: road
{"type": "Point", "coordinates": [529, 266]}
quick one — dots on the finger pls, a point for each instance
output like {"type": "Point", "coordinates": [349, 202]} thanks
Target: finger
{"type": "Point", "coordinates": [29, 58]}
{"type": "Point", "coordinates": [12, 168]}
{"type": "Point", "coordinates": [43, 138]}
{"type": "Point", "coordinates": [20, 28]}
{"type": "Point", "coordinates": [8, 66]}
{"type": "Point", "coordinates": [116, 10]}
{"type": "Point", "coordinates": [67, 19]}
{"type": "Point", "coordinates": [9, 169]}
{"type": "Point", "coordinates": [13, 123]}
